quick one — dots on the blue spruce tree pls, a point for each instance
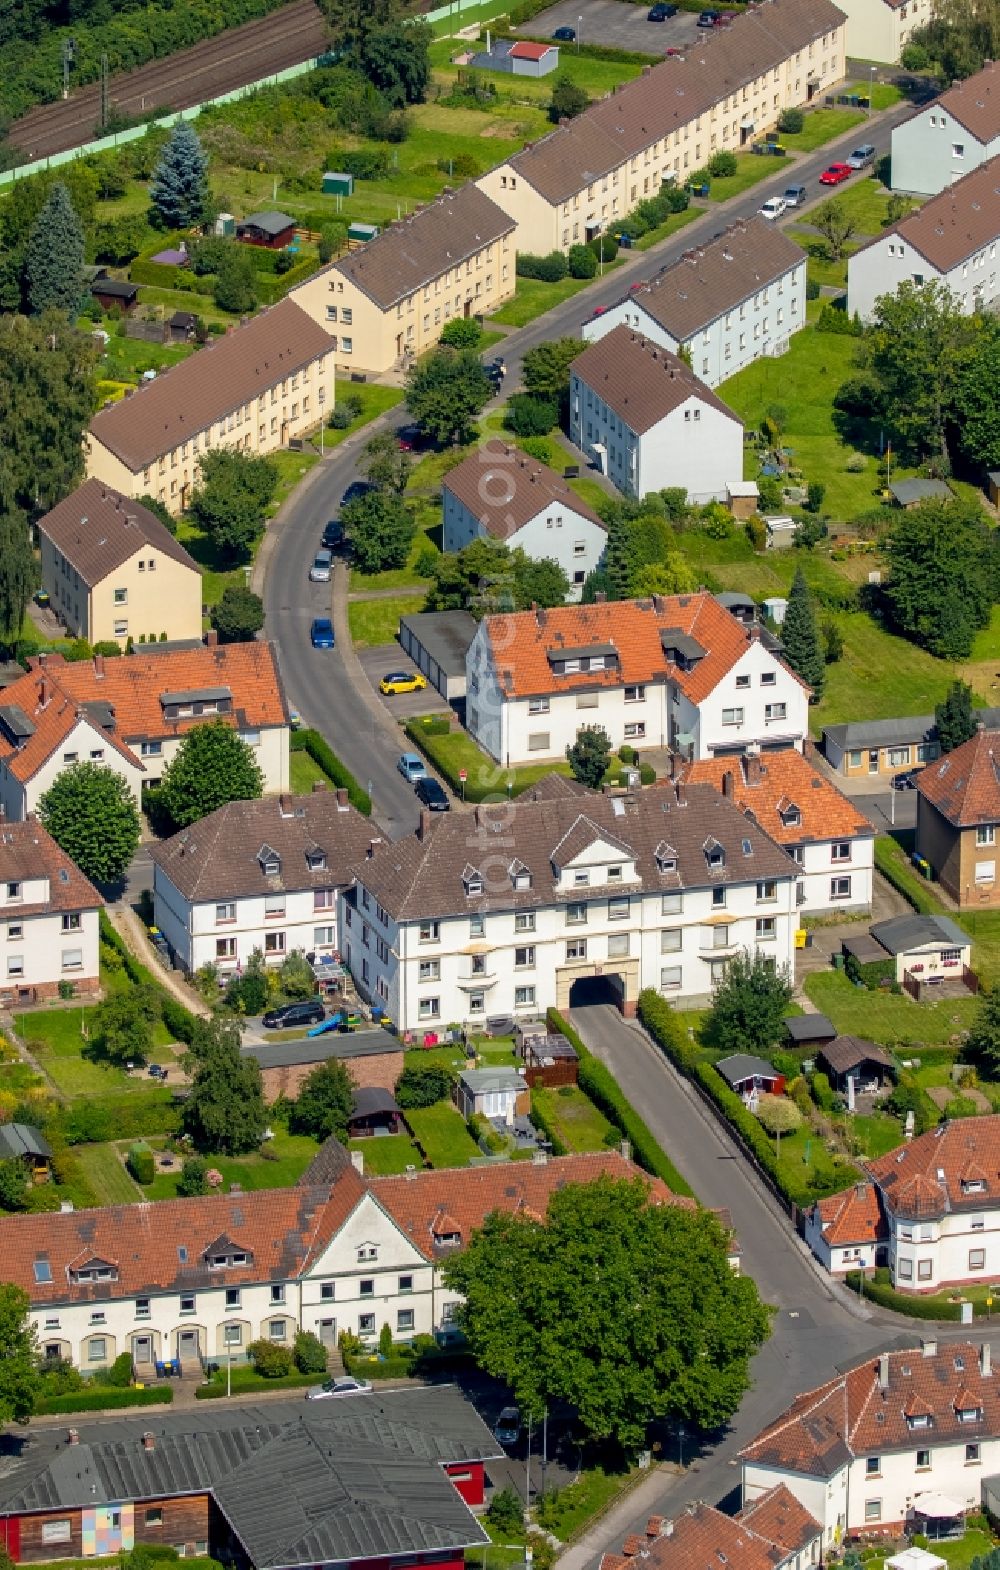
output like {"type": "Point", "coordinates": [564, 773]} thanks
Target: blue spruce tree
{"type": "Point", "coordinates": [53, 260]}
{"type": "Point", "coordinates": [179, 187]}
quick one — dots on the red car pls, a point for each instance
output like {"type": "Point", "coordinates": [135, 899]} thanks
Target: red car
{"type": "Point", "coordinates": [835, 174]}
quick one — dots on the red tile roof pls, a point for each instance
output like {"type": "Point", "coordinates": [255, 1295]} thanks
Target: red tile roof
{"type": "Point", "coordinates": [934, 1174]}
{"type": "Point", "coordinates": [760, 1537]}
{"type": "Point", "coordinates": [855, 1216]}
{"type": "Point", "coordinates": [632, 627]}
{"type": "Point", "coordinates": [779, 1517]}
{"type": "Point", "coordinates": [770, 785]}
{"type": "Point", "coordinates": [864, 1411]}
{"type": "Point", "coordinates": [640, 381]}
{"type": "Point", "coordinates": [964, 785]}
{"type": "Point", "coordinates": [525, 51]}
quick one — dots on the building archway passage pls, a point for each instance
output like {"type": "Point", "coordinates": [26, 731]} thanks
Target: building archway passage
{"type": "Point", "coordinates": [596, 987]}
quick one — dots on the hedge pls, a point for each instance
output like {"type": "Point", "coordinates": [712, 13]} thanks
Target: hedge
{"type": "Point", "coordinates": [541, 1122]}
{"type": "Point", "coordinates": [163, 275]}
{"type": "Point", "coordinates": [910, 1304]}
{"type": "Point", "coordinates": [887, 863]}
{"type": "Point", "coordinates": [105, 1398]}
{"type": "Point", "coordinates": [178, 1020]}
{"type": "Point", "coordinates": [318, 749]}
{"type": "Point", "coordinates": [271, 288]}
{"type": "Point", "coordinates": [599, 1084]}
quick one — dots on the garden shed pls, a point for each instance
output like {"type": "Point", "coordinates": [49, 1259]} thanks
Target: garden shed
{"type": "Point", "coordinates": [337, 182]}
{"type": "Point", "coordinates": [851, 1057]}
{"type": "Point", "coordinates": [806, 1030]}
{"type": "Point", "coordinates": [272, 230]}
{"type": "Point", "coordinates": [745, 1074]}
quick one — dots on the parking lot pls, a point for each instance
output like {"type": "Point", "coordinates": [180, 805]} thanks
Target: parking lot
{"type": "Point", "coordinates": [381, 658]}
{"type": "Point", "coordinates": [617, 23]}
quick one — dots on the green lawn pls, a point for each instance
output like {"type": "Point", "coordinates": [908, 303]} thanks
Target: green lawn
{"type": "Point", "coordinates": [579, 1124]}
{"type": "Point", "coordinates": [572, 1507]}
{"type": "Point", "coordinates": [287, 1158]}
{"type": "Point", "coordinates": [56, 1038]}
{"type": "Point", "coordinates": [442, 1133]}
{"type": "Point", "coordinates": [377, 621]}
{"type": "Point", "coordinates": [879, 675]}
{"type": "Point", "coordinates": [892, 1019]}
{"type": "Point", "coordinates": [751, 169]}
{"type": "Point", "coordinates": [485, 777]}
{"type": "Point", "coordinates": [820, 267]}
{"type": "Point", "coordinates": [389, 1154]}
{"type": "Point", "coordinates": [125, 359]}
{"type": "Point", "coordinates": [876, 1134]}
{"type": "Point", "coordinates": [669, 226]}
{"type": "Point", "coordinates": [303, 772]}
{"type": "Point", "coordinates": [532, 297]}
{"type": "Point", "coordinates": [807, 1162]}
{"type": "Point", "coordinates": [822, 126]}
{"type": "Point", "coordinates": [375, 399]}
{"type": "Point", "coordinates": [866, 199]}
{"type": "Point", "coordinates": [449, 1056]}
{"type": "Point", "coordinates": [292, 469]}
{"type": "Point", "coordinates": [973, 1545]}
{"type": "Point", "coordinates": [884, 95]}
{"type": "Point", "coordinates": [107, 1175]}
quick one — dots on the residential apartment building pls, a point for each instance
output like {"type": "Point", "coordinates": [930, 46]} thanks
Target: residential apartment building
{"type": "Point", "coordinates": [930, 1210]}
{"type": "Point", "coordinates": [113, 572]}
{"type": "Point", "coordinates": [958, 817]}
{"type": "Point", "coordinates": [951, 240]}
{"type": "Point", "coordinates": [387, 301]}
{"type": "Point", "coordinates": [831, 842]}
{"type": "Point", "coordinates": [865, 1450]}
{"type": "Point", "coordinates": [647, 422]}
{"type": "Point", "coordinates": [257, 876]}
{"type": "Point", "coordinates": [506, 911]}
{"type": "Point", "coordinates": [676, 671]}
{"type": "Point", "coordinates": [264, 382]}
{"type": "Point", "coordinates": [725, 90]}
{"type": "Point", "coordinates": [774, 1532]}
{"type": "Point", "coordinates": [49, 918]}
{"type": "Point", "coordinates": [499, 493]}
{"type": "Point", "coordinates": [956, 133]}
{"type": "Point", "coordinates": [132, 713]}
{"type": "Point", "coordinates": [725, 303]}
{"type": "Point", "coordinates": [881, 31]}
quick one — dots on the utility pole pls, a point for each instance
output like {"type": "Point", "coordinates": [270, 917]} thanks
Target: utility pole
{"type": "Point", "coordinates": [105, 92]}
{"type": "Point", "coordinates": [527, 1470]}
{"type": "Point", "coordinates": [68, 57]}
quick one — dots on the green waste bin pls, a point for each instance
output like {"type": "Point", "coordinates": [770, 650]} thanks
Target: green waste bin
{"type": "Point", "coordinates": [838, 962]}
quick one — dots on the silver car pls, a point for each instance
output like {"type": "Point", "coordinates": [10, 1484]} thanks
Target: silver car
{"type": "Point", "coordinates": [321, 568]}
{"type": "Point", "coordinates": [330, 1389]}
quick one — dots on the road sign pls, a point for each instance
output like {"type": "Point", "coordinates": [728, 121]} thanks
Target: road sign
{"type": "Point", "coordinates": [463, 775]}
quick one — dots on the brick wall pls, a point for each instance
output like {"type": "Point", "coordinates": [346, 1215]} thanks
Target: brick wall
{"type": "Point", "coordinates": [381, 1070]}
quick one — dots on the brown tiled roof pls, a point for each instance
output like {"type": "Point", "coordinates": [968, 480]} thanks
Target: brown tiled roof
{"type": "Point", "coordinates": [924, 1179]}
{"type": "Point", "coordinates": [859, 1414]}
{"type": "Point", "coordinates": [964, 785]}
{"type": "Point", "coordinates": [672, 95]}
{"type": "Point", "coordinates": [703, 1538]}
{"type": "Point", "coordinates": [223, 376]}
{"type": "Point", "coordinates": [54, 694]}
{"type": "Point", "coordinates": [952, 226]}
{"type": "Point", "coordinates": [846, 1052]}
{"type": "Point", "coordinates": [219, 856]}
{"type": "Point", "coordinates": [416, 877]}
{"type": "Point", "coordinates": [784, 778]}
{"type": "Point", "coordinates": [640, 381]}
{"type": "Point", "coordinates": [504, 489]}
{"type": "Point", "coordinates": [162, 1247]}
{"type": "Point", "coordinates": [427, 1204]}
{"type": "Point", "coordinates": [97, 530]}
{"type": "Point", "coordinates": [855, 1216]}
{"type": "Point", "coordinates": [28, 852]}
{"type": "Point", "coordinates": [718, 276]}
{"type": "Point", "coordinates": [432, 241]}
{"type": "Point", "coordinates": [522, 642]}
{"type": "Point", "coordinates": [975, 103]}
{"type": "Point", "coordinates": [780, 1518]}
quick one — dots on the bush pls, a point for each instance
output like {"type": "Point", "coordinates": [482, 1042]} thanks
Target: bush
{"type": "Point", "coordinates": [312, 742]}
{"type": "Point", "coordinates": [823, 1092]}
{"type": "Point", "coordinates": [271, 1359]}
{"type": "Point", "coordinates": [423, 1085]}
{"type": "Point", "coordinates": [791, 121]}
{"type": "Point", "coordinates": [812, 289]}
{"type": "Point", "coordinates": [606, 246]}
{"type": "Point", "coordinates": [915, 58]}
{"type": "Point", "coordinates": [544, 1127]}
{"type": "Point", "coordinates": [462, 332]}
{"type": "Point", "coordinates": [549, 269]}
{"type": "Point", "coordinates": [141, 1164]}
{"type": "Point", "coordinates": [833, 319]}
{"type": "Point", "coordinates": [582, 262]}
{"type": "Point", "coordinates": [193, 1180]}
{"type": "Point", "coordinates": [99, 1398]}
{"type": "Point", "coordinates": [721, 164]}
{"type": "Point", "coordinates": [528, 415]}
{"type": "Point", "coordinates": [310, 1354]}
{"type": "Point", "coordinates": [462, 167]}
{"type": "Point", "coordinates": [506, 1513]}
{"type": "Point", "coordinates": [119, 1375]}
{"type": "Point", "coordinates": [365, 163]}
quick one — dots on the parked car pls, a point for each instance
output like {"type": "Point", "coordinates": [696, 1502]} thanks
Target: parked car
{"type": "Point", "coordinates": [156, 1072]}
{"type": "Point", "coordinates": [411, 767]}
{"type": "Point", "coordinates": [411, 438]}
{"type": "Point", "coordinates": [724, 19]}
{"type": "Point", "coordinates": [673, 50]}
{"type": "Point", "coordinates": [905, 781]}
{"type": "Point", "coordinates": [661, 13]}
{"type": "Point", "coordinates": [321, 568]}
{"type": "Point", "coordinates": [708, 18]}
{"type": "Point", "coordinates": [333, 535]}
{"type": "Point", "coordinates": [835, 174]}
{"type": "Point", "coordinates": [433, 795]}
{"type": "Point", "coordinates": [507, 1430]}
{"type": "Point", "coordinates": [342, 1386]}
{"type": "Point", "coordinates": [402, 681]}
{"type": "Point", "coordinates": [862, 156]}
{"type": "Point", "coordinates": [310, 1012]}
{"type": "Point", "coordinates": [321, 633]}
{"type": "Point", "coordinates": [795, 195]}
{"type": "Point", "coordinates": [773, 207]}
{"type": "Point", "coordinates": [355, 489]}
{"type": "Point", "coordinates": [496, 370]}
{"type": "Point", "coordinates": [565, 35]}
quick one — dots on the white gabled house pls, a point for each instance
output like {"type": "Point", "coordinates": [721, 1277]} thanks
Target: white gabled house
{"type": "Point", "coordinates": [954, 134]}
{"type": "Point", "coordinates": [49, 917]}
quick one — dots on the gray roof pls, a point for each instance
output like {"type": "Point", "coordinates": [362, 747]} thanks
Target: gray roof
{"type": "Point", "coordinates": [901, 933]}
{"type": "Point", "coordinates": [908, 491]}
{"type": "Point", "coordinates": [369, 1100]}
{"type": "Point", "coordinates": [910, 729]}
{"type": "Point", "coordinates": [268, 223]}
{"type": "Point", "coordinates": [742, 1065]}
{"type": "Point", "coordinates": [809, 1027]}
{"type": "Point", "coordinates": [446, 635]}
{"type": "Point", "coordinates": [480, 1081]}
{"type": "Point", "coordinates": [298, 1484]}
{"type": "Point", "coordinates": [320, 1049]}
{"type": "Point", "coordinates": [731, 599]}
{"type": "Point", "coordinates": [21, 1139]}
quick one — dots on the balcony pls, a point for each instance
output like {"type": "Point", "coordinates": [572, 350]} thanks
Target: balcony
{"type": "Point", "coordinates": [477, 983]}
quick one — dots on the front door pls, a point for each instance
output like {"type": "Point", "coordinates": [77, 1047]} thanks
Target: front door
{"type": "Point", "coordinates": [328, 1332]}
{"type": "Point", "coordinates": [873, 761]}
{"type": "Point", "coordinates": [187, 1343]}
{"type": "Point", "coordinates": [142, 1349]}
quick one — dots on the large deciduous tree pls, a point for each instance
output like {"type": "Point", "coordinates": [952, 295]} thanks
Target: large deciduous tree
{"type": "Point", "coordinates": [18, 572]}
{"type": "Point", "coordinates": [225, 1113]}
{"type": "Point", "coordinates": [396, 59]}
{"type": "Point", "coordinates": [47, 397]}
{"type": "Point", "coordinates": [486, 576]}
{"type": "Point", "coordinates": [982, 1046]}
{"type": "Point", "coordinates": [238, 615]}
{"type": "Point", "coordinates": [123, 1024]}
{"type": "Point", "coordinates": [976, 413]}
{"type": "Point", "coordinates": [179, 187]}
{"type": "Point", "coordinates": [230, 502]}
{"type": "Point", "coordinates": [91, 814]}
{"type": "Point", "coordinates": [800, 635]}
{"type": "Point", "coordinates": [837, 225]}
{"type": "Point", "coordinates": [918, 345]}
{"type": "Point", "coordinates": [445, 392]}
{"type": "Point", "coordinates": [323, 1105]}
{"type": "Point", "coordinates": [19, 1381]}
{"type": "Point", "coordinates": [386, 464]}
{"type": "Point", "coordinates": [543, 1311]}
{"type": "Point", "coordinates": [211, 766]}
{"type": "Point", "coordinates": [380, 529]}
{"type": "Point", "coordinates": [749, 1004]}
{"type": "Point", "coordinates": [954, 717]}
{"type": "Point", "coordinates": [942, 575]}
{"type": "Point", "coordinates": [54, 257]}
{"type": "Point", "coordinates": [590, 755]}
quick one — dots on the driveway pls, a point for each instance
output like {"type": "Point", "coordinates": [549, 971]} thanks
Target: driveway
{"type": "Point", "coordinates": [612, 22]}
{"type": "Point", "coordinates": [377, 661]}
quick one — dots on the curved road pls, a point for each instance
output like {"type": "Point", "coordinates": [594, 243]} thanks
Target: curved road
{"type": "Point", "coordinates": [321, 685]}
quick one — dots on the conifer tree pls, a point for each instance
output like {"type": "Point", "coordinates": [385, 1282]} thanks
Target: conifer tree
{"type": "Point", "coordinates": [54, 256]}
{"type": "Point", "coordinates": [800, 636]}
{"type": "Point", "coordinates": [179, 187]}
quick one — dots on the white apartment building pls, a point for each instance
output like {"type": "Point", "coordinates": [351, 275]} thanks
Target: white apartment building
{"type": "Point", "coordinates": [880, 31]}
{"type": "Point", "coordinates": [725, 303]}
{"type": "Point", "coordinates": [49, 918]}
{"type": "Point", "coordinates": [131, 714]}
{"type": "Point", "coordinates": [506, 911]}
{"type": "Point", "coordinates": [864, 1451]}
{"type": "Point", "coordinates": [677, 671]}
{"type": "Point", "coordinates": [647, 422]}
{"type": "Point", "coordinates": [831, 842]}
{"type": "Point", "coordinates": [499, 493]}
{"type": "Point", "coordinates": [257, 876]}
{"type": "Point", "coordinates": [951, 240]}
{"type": "Point", "coordinates": [954, 135]}
{"type": "Point", "coordinates": [729, 86]}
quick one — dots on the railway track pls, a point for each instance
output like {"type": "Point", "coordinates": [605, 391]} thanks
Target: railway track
{"type": "Point", "coordinates": [287, 37]}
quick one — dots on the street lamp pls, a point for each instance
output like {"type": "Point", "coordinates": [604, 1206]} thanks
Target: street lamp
{"type": "Point", "coordinates": [579, 30]}
{"type": "Point", "coordinates": [873, 70]}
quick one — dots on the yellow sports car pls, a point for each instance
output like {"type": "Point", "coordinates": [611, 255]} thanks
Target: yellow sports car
{"type": "Point", "coordinates": [402, 681]}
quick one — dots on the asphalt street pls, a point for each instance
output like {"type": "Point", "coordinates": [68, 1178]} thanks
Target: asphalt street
{"type": "Point", "coordinates": [318, 682]}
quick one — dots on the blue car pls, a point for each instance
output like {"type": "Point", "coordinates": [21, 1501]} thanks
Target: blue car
{"type": "Point", "coordinates": [321, 633]}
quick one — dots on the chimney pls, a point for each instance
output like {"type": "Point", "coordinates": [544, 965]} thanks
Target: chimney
{"type": "Point", "coordinates": [371, 847]}
{"type": "Point", "coordinates": [727, 783]}
{"type": "Point", "coordinates": [659, 604]}
{"type": "Point", "coordinates": [411, 1173]}
{"type": "Point", "coordinates": [148, 1442]}
{"type": "Point", "coordinates": [861, 1189]}
{"type": "Point", "coordinates": [211, 638]}
{"type": "Point", "coordinates": [625, 1150]}
{"type": "Point", "coordinates": [752, 762]}
{"type": "Point", "coordinates": [883, 1372]}
{"type": "Point", "coordinates": [424, 826]}
{"type": "Point", "coordinates": [673, 765]}
{"type": "Point", "coordinates": [538, 1158]}
{"type": "Point", "coordinates": [680, 793]}
{"type": "Point", "coordinates": [99, 666]}
{"type": "Point", "coordinates": [72, 1436]}
{"type": "Point", "coordinates": [928, 1348]}
{"type": "Point", "coordinates": [358, 1162]}
{"type": "Point", "coordinates": [600, 598]}
{"type": "Point", "coordinates": [44, 693]}
{"type": "Point", "coordinates": [654, 1526]}
{"type": "Point", "coordinates": [318, 786]}
{"type": "Point", "coordinates": [342, 799]}
{"type": "Point", "coordinates": [985, 1360]}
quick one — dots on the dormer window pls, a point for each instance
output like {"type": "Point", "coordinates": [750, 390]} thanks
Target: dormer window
{"type": "Point", "coordinates": [472, 879]}
{"type": "Point", "coordinates": [666, 857]}
{"type": "Point", "coordinates": [94, 1270]}
{"type": "Point", "coordinates": [520, 877]}
{"type": "Point", "coordinates": [919, 1420]}
{"type": "Point", "coordinates": [714, 853]}
{"type": "Point", "coordinates": [316, 859]}
{"type": "Point", "coordinates": [788, 812]}
{"type": "Point", "coordinates": [270, 862]}
{"type": "Point", "coordinates": [969, 1414]}
{"type": "Point", "coordinates": [973, 1185]}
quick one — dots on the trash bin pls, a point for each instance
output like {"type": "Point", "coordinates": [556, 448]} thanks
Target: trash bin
{"type": "Point", "coordinates": [838, 962]}
{"type": "Point", "coordinates": [800, 938]}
